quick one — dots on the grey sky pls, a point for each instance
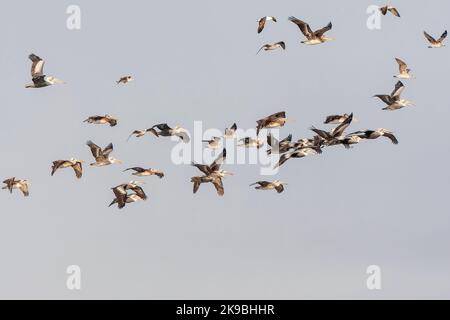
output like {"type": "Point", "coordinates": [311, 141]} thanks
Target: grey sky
{"type": "Point", "coordinates": [341, 212]}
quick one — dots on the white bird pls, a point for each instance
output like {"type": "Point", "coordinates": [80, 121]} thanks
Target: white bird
{"type": "Point", "coordinates": [22, 185]}
{"type": "Point", "coordinates": [39, 79]}
{"type": "Point", "coordinates": [405, 72]}
{"type": "Point", "coordinates": [273, 46]}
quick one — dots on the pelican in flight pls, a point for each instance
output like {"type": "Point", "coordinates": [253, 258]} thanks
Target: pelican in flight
{"type": "Point", "coordinates": [273, 121]}
{"type": "Point", "coordinates": [266, 185]}
{"type": "Point", "coordinates": [393, 101]}
{"type": "Point", "coordinates": [315, 37]}
{"type": "Point", "coordinates": [262, 22]}
{"type": "Point", "coordinates": [405, 72]}
{"type": "Point", "coordinates": [166, 131]}
{"type": "Point", "coordinates": [436, 43]}
{"type": "Point", "coordinates": [214, 142]}
{"type": "Point", "coordinates": [102, 156]}
{"type": "Point", "coordinates": [106, 119]}
{"type": "Point", "coordinates": [248, 142]}
{"type": "Point", "coordinates": [141, 172]}
{"type": "Point", "coordinates": [273, 46]}
{"type": "Point", "coordinates": [39, 79]}
{"type": "Point", "coordinates": [212, 174]}
{"type": "Point", "coordinates": [392, 10]}
{"type": "Point", "coordinates": [375, 134]}
{"type": "Point", "coordinates": [22, 185]}
{"type": "Point", "coordinates": [122, 197]}
{"type": "Point", "coordinates": [300, 152]}
{"type": "Point", "coordinates": [125, 79]}
{"type": "Point", "coordinates": [73, 163]}
{"type": "Point", "coordinates": [230, 132]}
{"type": "Point", "coordinates": [337, 118]}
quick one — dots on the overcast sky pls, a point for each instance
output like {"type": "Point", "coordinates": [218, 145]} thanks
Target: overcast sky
{"type": "Point", "coordinates": [376, 204]}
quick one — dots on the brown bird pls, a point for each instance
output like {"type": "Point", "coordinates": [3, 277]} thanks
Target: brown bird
{"type": "Point", "coordinates": [125, 79]}
{"type": "Point", "coordinates": [73, 163]}
{"type": "Point", "coordinates": [141, 172]}
{"type": "Point", "coordinates": [102, 120]}
{"type": "Point", "coordinates": [266, 185]}
{"type": "Point", "coordinates": [122, 196]}
{"type": "Point", "coordinates": [392, 10]}
{"type": "Point", "coordinates": [22, 185]}
{"type": "Point", "coordinates": [436, 43]}
{"type": "Point", "coordinates": [273, 121]}
{"type": "Point", "coordinates": [316, 37]}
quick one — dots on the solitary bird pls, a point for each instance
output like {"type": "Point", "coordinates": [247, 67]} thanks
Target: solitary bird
{"type": "Point", "coordinates": [436, 43]}
{"type": "Point", "coordinates": [230, 132]}
{"type": "Point", "coordinates": [102, 156]}
{"type": "Point", "coordinates": [262, 22]}
{"type": "Point", "coordinates": [39, 79]}
{"type": "Point", "coordinates": [22, 185]}
{"type": "Point", "coordinates": [214, 142]}
{"type": "Point", "coordinates": [106, 119]}
{"type": "Point", "coordinates": [315, 37]}
{"type": "Point", "coordinates": [393, 101]}
{"type": "Point", "coordinates": [141, 172]}
{"type": "Point", "coordinates": [122, 196]}
{"type": "Point", "coordinates": [405, 72]}
{"type": "Point", "coordinates": [212, 174]}
{"type": "Point", "coordinates": [266, 185]}
{"type": "Point", "coordinates": [273, 121]}
{"type": "Point", "coordinates": [375, 134]}
{"type": "Point", "coordinates": [165, 131]}
{"type": "Point", "coordinates": [273, 46]}
{"type": "Point", "coordinates": [392, 10]}
{"type": "Point", "coordinates": [73, 163]}
{"type": "Point", "coordinates": [125, 79]}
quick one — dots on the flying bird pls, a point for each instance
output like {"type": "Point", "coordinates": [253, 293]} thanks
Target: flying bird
{"type": "Point", "coordinates": [106, 119]}
{"type": "Point", "coordinates": [248, 142]}
{"type": "Point", "coordinates": [125, 80]}
{"type": "Point", "coordinates": [375, 134]}
{"type": "Point", "coordinates": [273, 46]}
{"type": "Point", "coordinates": [436, 43]}
{"type": "Point", "coordinates": [405, 72]}
{"type": "Point", "coordinates": [73, 163]}
{"type": "Point", "coordinates": [214, 142]}
{"type": "Point", "coordinates": [392, 10]}
{"type": "Point", "coordinates": [102, 156]}
{"type": "Point", "coordinates": [393, 101]}
{"type": "Point", "coordinates": [315, 37]}
{"type": "Point", "coordinates": [166, 131]}
{"type": "Point", "coordinates": [262, 22]}
{"type": "Point", "coordinates": [122, 197]}
{"type": "Point", "coordinates": [22, 185]}
{"type": "Point", "coordinates": [331, 137]}
{"type": "Point", "coordinates": [273, 121]}
{"type": "Point", "coordinates": [212, 174]}
{"type": "Point", "coordinates": [141, 172]}
{"type": "Point", "coordinates": [230, 132]}
{"type": "Point", "coordinates": [39, 79]}
{"type": "Point", "coordinates": [266, 185]}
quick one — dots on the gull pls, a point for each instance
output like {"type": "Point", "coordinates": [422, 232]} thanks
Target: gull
{"type": "Point", "coordinates": [102, 156]}
{"type": "Point", "coordinates": [214, 142]}
{"type": "Point", "coordinates": [166, 131]}
{"type": "Point", "coordinates": [39, 79]}
{"type": "Point", "coordinates": [122, 197]}
{"type": "Point", "coordinates": [315, 37]}
{"type": "Point", "coordinates": [102, 120]}
{"type": "Point", "coordinates": [403, 69]}
{"type": "Point", "coordinates": [436, 43]}
{"type": "Point", "coordinates": [262, 22]}
{"type": "Point", "coordinates": [273, 121]}
{"type": "Point", "coordinates": [393, 101]}
{"type": "Point", "coordinates": [266, 185]}
{"type": "Point", "coordinates": [22, 185]}
{"type": "Point", "coordinates": [392, 10]}
{"type": "Point", "coordinates": [73, 163]}
{"type": "Point", "coordinates": [212, 174]}
{"type": "Point", "coordinates": [125, 79]}
{"type": "Point", "coordinates": [230, 132]}
{"type": "Point", "coordinates": [375, 134]}
{"type": "Point", "coordinates": [273, 46]}
{"type": "Point", "coordinates": [141, 172]}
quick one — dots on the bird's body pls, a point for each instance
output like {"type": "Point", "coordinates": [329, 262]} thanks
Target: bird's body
{"type": "Point", "coordinates": [312, 38]}
{"type": "Point", "coordinates": [391, 9]}
{"type": "Point", "coordinates": [273, 46]}
{"type": "Point", "coordinates": [106, 119]}
{"type": "Point", "coordinates": [40, 80]}
{"type": "Point", "coordinates": [263, 20]}
{"type": "Point", "coordinates": [12, 183]}
{"type": "Point", "coordinates": [273, 121]}
{"type": "Point", "coordinates": [125, 80]}
{"type": "Point", "coordinates": [435, 43]}
{"type": "Point", "coordinates": [102, 156]}
{"type": "Point", "coordinates": [141, 172]}
{"type": "Point", "coordinates": [266, 185]}
{"type": "Point", "coordinates": [393, 101]}
{"type": "Point", "coordinates": [73, 163]}
{"type": "Point", "coordinates": [404, 71]}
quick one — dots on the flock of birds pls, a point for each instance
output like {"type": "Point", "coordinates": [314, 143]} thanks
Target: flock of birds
{"type": "Point", "coordinates": [213, 173]}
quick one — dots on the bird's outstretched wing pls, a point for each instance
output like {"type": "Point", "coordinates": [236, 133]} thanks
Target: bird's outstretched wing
{"type": "Point", "coordinates": [37, 66]}
{"type": "Point", "coordinates": [385, 98]}
{"type": "Point", "coordinates": [401, 65]}
{"type": "Point", "coordinates": [137, 169]}
{"type": "Point", "coordinates": [391, 137]}
{"type": "Point", "coordinates": [303, 26]}
{"type": "Point", "coordinates": [261, 24]}
{"type": "Point", "coordinates": [429, 38]}
{"type": "Point", "coordinates": [443, 36]}
{"type": "Point", "coordinates": [95, 149]}
{"type": "Point", "coordinates": [219, 161]}
{"type": "Point", "coordinates": [202, 167]}
{"type": "Point", "coordinates": [24, 188]}
{"type": "Point", "coordinates": [397, 90]}
{"type": "Point", "coordinates": [320, 32]}
{"type": "Point", "coordinates": [108, 149]}
{"type": "Point", "coordinates": [219, 186]}
{"type": "Point", "coordinates": [78, 168]}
